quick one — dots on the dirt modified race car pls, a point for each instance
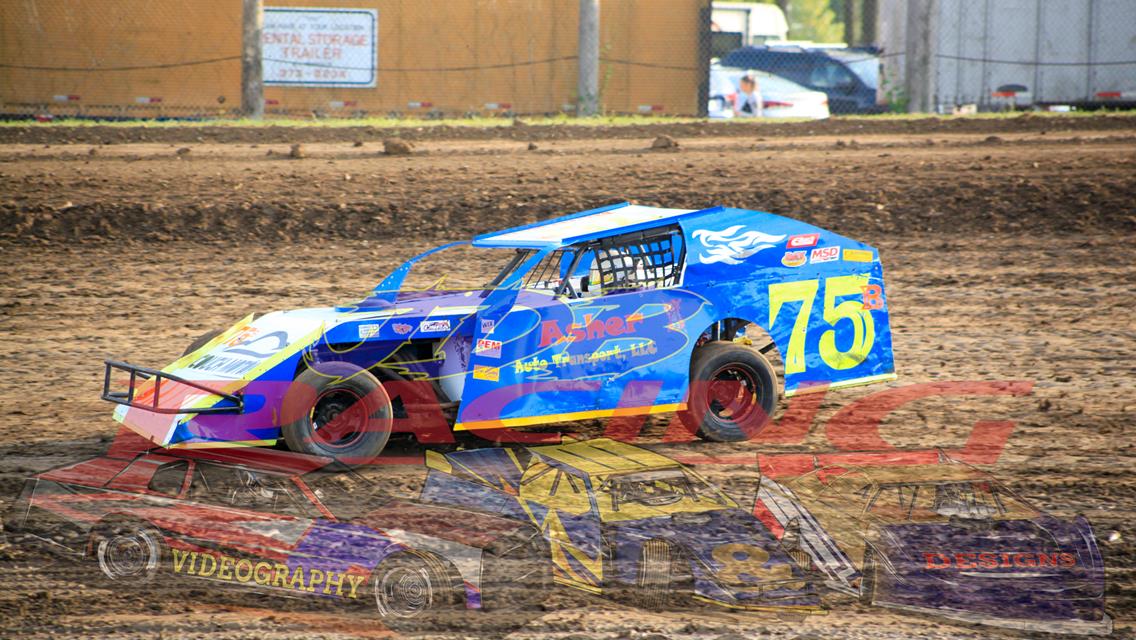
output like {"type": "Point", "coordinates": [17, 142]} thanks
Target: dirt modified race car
{"type": "Point", "coordinates": [622, 520]}
{"type": "Point", "coordinates": [626, 308]}
{"type": "Point", "coordinates": [284, 523]}
{"type": "Point", "coordinates": [942, 539]}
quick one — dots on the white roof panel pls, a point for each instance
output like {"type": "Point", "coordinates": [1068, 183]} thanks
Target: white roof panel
{"type": "Point", "coordinates": [563, 231]}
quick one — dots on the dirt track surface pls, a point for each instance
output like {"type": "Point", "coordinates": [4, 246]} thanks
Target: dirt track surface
{"type": "Point", "coordinates": [1007, 259]}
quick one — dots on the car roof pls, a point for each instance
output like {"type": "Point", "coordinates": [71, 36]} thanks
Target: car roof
{"type": "Point", "coordinates": [768, 80]}
{"type": "Point", "coordinates": [585, 225]}
{"type": "Point", "coordinates": [603, 456]}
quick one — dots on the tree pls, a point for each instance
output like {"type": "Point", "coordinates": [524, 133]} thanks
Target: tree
{"type": "Point", "coordinates": [814, 20]}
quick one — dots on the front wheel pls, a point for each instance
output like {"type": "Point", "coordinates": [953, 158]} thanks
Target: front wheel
{"type": "Point", "coordinates": [662, 581]}
{"type": "Point", "coordinates": [339, 410]}
{"type": "Point", "coordinates": [128, 552]}
{"type": "Point", "coordinates": [733, 392]}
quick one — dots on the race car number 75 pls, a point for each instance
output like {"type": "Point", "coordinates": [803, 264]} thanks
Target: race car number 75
{"type": "Point", "coordinates": [805, 291]}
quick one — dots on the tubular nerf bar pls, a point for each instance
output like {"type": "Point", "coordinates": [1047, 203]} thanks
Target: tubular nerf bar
{"type": "Point", "coordinates": [127, 397]}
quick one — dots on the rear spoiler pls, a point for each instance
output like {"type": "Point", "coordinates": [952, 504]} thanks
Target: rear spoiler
{"type": "Point", "coordinates": [126, 398]}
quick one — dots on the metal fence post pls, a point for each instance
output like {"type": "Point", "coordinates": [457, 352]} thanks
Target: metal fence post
{"type": "Point", "coordinates": [252, 54]}
{"type": "Point", "coordinates": [588, 81]}
{"type": "Point", "coordinates": [920, 58]}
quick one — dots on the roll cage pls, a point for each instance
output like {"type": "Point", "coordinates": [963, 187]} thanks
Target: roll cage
{"type": "Point", "coordinates": [647, 259]}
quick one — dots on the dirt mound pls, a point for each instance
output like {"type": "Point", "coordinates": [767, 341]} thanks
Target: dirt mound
{"type": "Point", "coordinates": [869, 186]}
{"type": "Point", "coordinates": [123, 134]}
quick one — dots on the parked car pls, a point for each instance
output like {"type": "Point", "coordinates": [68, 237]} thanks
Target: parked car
{"type": "Point", "coordinates": [849, 77]}
{"type": "Point", "coordinates": [781, 98]}
{"type": "Point", "coordinates": [284, 523]}
{"type": "Point", "coordinates": [625, 309]}
{"type": "Point", "coordinates": [623, 519]}
{"type": "Point", "coordinates": [947, 540]}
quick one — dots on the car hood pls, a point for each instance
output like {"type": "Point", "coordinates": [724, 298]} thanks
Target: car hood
{"type": "Point", "coordinates": [258, 356]}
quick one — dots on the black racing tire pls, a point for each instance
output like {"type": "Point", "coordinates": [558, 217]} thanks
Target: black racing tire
{"type": "Point", "coordinates": [200, 341]}
{"type": "Point", "coordinates": [869, 574]}
{"type": "Point", "coordinates": [733, 392]}
{"type": "Point", "coordinates": [663, 581]}
{"type": "Point", "coordinates": [127, 551]}
{"type": "Point", "coordinates": [415, 591]}
{"type": "Point", "coordinates": [338, 410]}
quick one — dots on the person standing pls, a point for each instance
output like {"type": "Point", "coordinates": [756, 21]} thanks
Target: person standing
{"type": "Point", "coordinates": [748, 103]}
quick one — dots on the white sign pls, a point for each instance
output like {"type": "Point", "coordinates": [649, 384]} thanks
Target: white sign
{"type": "Point", "coordinates": [320, 47]}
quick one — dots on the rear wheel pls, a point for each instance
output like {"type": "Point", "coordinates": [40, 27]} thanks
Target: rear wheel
{"type": "Point", "coordinates": [338, 410]}
{"type": "Point", "coordinates": [733, 392]}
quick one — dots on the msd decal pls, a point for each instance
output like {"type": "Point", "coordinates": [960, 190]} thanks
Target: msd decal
{"type": "Point", "coordinates": [802, 241]}
{"type": "Point", "coordinates": [824, 254]}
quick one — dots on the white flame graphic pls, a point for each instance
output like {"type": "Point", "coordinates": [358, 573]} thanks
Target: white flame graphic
{"type": "Point", "coordinates": [732, 245]}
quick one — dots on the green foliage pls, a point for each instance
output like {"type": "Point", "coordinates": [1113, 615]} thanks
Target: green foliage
{"type": "Point", "coordinates": [814, 20]}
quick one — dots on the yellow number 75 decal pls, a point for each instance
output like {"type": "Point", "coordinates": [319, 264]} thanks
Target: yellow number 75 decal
{"type": "Point", "coordinates": [805, 291]}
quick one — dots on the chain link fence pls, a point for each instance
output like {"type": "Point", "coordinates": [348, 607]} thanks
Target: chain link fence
{"type": "Point", "coordinates": [427, 58]}
{"type": "Point", "coordinates": [469, 58]}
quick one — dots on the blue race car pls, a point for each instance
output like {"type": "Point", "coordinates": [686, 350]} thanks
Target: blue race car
{"type": "Point", "coordinates": [946, 540]}
{"type": "Point", "coordinates": [624, 309]}
{"type": "Point", "coordinates": [623, 520]}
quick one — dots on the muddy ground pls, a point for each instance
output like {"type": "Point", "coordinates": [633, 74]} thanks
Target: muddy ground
{"type": "Point", "coordinates": [1008, 249]}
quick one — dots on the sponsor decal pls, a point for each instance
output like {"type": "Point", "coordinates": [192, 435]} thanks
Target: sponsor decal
{"type": "Point", "coordinates": [551, 331]}
{"type": "Point", "coordinates": [732, 245]}
{"type": "Point", "coordinates": [873, 297]}
{"type": "Point", "coordinates": [487, 326]}
{"type": "Point", "coordinates": [1002, 560]}
{"type": "Point", "coordinates": [488, 348]}
{"type": "Point", "coordinates": [857, 255]}
{"type": "Point", "coordinates": [793, 258]}
{"type": "Point", "coordinates": [802, 241]}
{"type": "Point", "coordinates": [492, 374]}
{"type": "Point", "coordinates": [368, 331]}
{"type": "Point", "coordinates": [434, 326]}
{"type": "Point", "coordinates": [241, 336]}
{"type": "Point", "coordinates": [223, 365]}
{"type": "Point", "coordinates": [824, 254]}
{"type": "Point", "coordinates": [401, 328]}
{"type": "Point", "coordinates": [266, 573]}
